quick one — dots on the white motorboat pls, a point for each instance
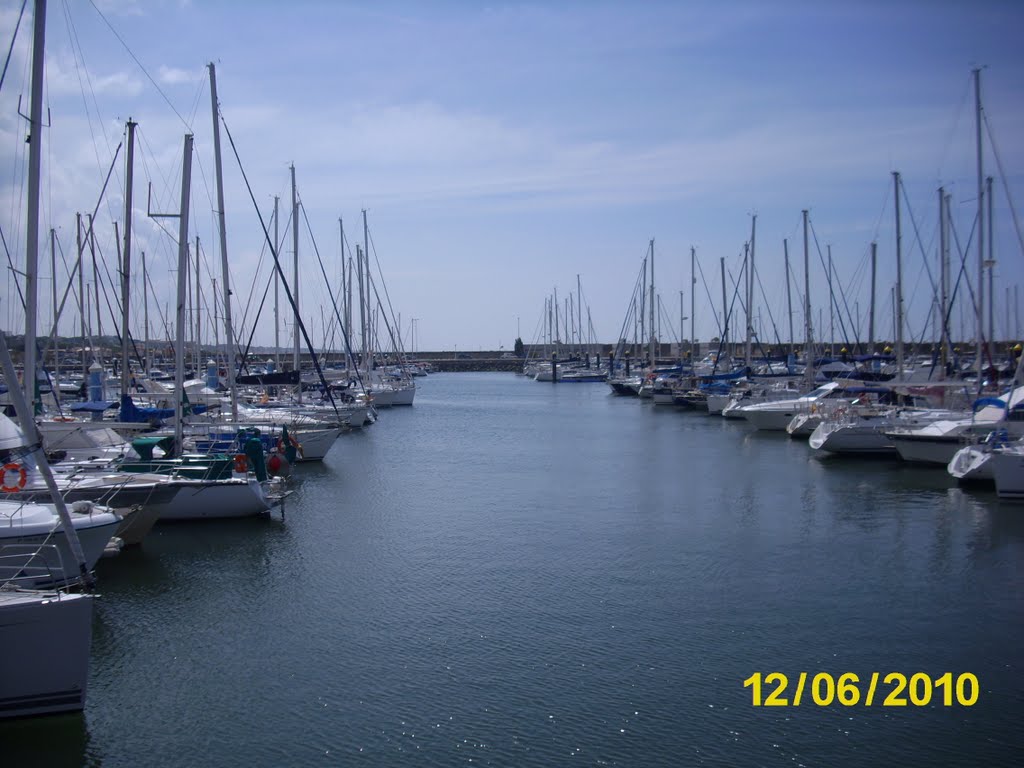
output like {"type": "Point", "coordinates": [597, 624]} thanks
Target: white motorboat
{"type": "Point", "coordinates": [776, 415]}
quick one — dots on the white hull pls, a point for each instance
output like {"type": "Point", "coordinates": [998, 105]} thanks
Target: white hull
{"type": "Point", "coordinates": [927, 450]}
{"type": "Point", "coordinates": [1008, 472]}
{"type": "Point", "coordinates": [45, 637]}
{"type": "Point", "coordinates": [803, 424]}
{"type": "Point", "coordinates": [971, 464]}
{"type": "Point", "coordinates": [385, 398]}
{"type": "Point", "coordinates": [206, 500]}
{"type": "Point", "coordinates": [770, 419]}
{"type": "Point", "coordinates": [833, 437]}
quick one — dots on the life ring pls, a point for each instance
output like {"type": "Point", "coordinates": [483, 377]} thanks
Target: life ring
{"type": "Point", "coordinates": [22, 477]}
{"type": "Point", "coordinates": [294, 443]}
{"type": "Point", "coordinates": [64, 418]}
{"type": "Point", "coordinates": [241, 463]}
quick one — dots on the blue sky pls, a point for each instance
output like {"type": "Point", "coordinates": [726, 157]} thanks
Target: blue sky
{"type": "Point", "coordinates": [503, 149]}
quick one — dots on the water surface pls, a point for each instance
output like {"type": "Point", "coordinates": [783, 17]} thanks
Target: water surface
{"type": "Point", "coordinates": [522, 574]}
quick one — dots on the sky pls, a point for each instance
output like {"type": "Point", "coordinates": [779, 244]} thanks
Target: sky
{"type": "Point", "coordinates": [503, 150]}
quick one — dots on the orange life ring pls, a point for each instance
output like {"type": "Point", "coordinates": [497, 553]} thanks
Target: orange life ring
{"type": "Point", "coordinates": [22, 477]}
{"type": "Point", "coordinates": [64, 418]}
{"type": "Point", "coordinates": [241, 463]}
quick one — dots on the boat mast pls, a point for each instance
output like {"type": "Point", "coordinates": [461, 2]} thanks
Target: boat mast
{"type": "Point", "coordinates": [368, 340]}
{"type": "Point", "coordinates": [899, 281]}
{"type": "Point", "coordinates": [81, 292]}
{"type": "Point", "coordinates": [748, 350]}
{"type": "Point", "coordinates": [225, 274]}
{"type": "Point", "coordinates": [943, 286]}
{"type": "Point", "coordinates": [362, 312]}
{"type": "Point", "coordinates": [277, 310]}
{"type": "Point", "coordinates": [808, 324]}
{"type": "Point", "coordinates": [56, 336]}
{"type": "Point", "coordinates": [35, 148]}
{"type": "Point", "coordinates": [179, 338]}
{"type": "Point", "coordinates": [579, 316]}
{"type": "Point", "coordinates": [126, 258]}
{"type": "Point", "coordinates": [979, 304]}
{"type": "Point", "coordinates": [693, 304]}
{"type": "Point", "coordinates": [871, 317]}
{"type": "Point", "coordinates": [653, 338]}
{"type": "Point", "coordinates": [198, 316]}
{"type": "Point", "coordinates": [990, 264]}
{"type": "Point", "coordinates": [145, 312]}
{"type": "Point", "coordinates": [789, 295]}
{"type": "Point", "coordinates": [725, 311]}
{"type": "Point", "coordinates": [296, 362]}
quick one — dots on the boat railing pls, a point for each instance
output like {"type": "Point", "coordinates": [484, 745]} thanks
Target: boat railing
{"type": "Point", "coordinates": [29, 566]}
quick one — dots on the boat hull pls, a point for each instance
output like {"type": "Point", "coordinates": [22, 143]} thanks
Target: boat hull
{"type": "Point", "coordinates": [208, 500]}
{"type": "Point", "coordinates": [46, 640]}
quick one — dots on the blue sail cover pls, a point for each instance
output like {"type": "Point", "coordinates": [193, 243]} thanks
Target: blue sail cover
{"type": "Point", "coordinates": [132, 413]}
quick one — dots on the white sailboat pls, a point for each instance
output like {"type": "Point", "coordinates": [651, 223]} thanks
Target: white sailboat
{"type": "Point", "coordinates": [46, 635]}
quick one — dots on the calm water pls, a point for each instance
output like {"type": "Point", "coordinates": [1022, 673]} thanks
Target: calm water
{"type": "Point", "coordinates": [519, 574]}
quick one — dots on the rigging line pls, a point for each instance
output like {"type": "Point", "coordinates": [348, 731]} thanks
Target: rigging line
{"type": "Point", "coordinates": [966, 278]}
{"type": "Point", "coordinates": [10, 265]}
{"type": "Point", "coordinates": [252, 291]}
{"type": "Point", "coordinates": [832, 299]}
{"type": "Point", "coordinates": [79, 60]}
{"type": "Point", "coordinates": [144, 70]}
{"type": "Point", "coordinates": [920, 244]}
{"type": "Point", "coordinates": [711, 302]}
{"type": "Point", "coordinates": [1003, 177]}
{"type": "Point", "coordinates": [334, 303]}
{"type": "Point", "coordinates": [14, 38]}
{"type": "Point", "coordinates": [280, 272]}
{"type": "Point", "coordinates": [78, 262]}
{"type": "Point", "coordinates": [373, 245]}
{"type": "Point", "coordinates": [768, 307]}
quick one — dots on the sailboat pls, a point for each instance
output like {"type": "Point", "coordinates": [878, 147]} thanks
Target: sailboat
{"type": "Point", "coordinates": [46, 635]}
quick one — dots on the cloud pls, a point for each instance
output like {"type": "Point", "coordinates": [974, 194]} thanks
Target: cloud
{"type": "Point", "coordinates": [175, 76]}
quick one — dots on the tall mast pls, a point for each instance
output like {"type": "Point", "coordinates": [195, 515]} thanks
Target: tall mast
{"type": "Point", "coordinates": [693, 305]}
{"type": "Point", "coordinates": [789, 295]}
{"type": "Point", "coordinates": [752, 276]}
{"type": "Point", "coordinates": [579, 313]}
{"type": "Point", "coordinates": [179, 330]}
{"type": "Point", "coordinates": [296, 362]}
{"type": "Point", "coordinates": [653, 338]}
{"type": "Point", "coordinates": [96, 286]}
{"type": "Point", "coordinates": [808, 321]}
{"type": "Point", "coordinates": [56, 335]}
{"type": "Point", "coordinates": [126, 258]}
{"type": "Point", "coordinates": [363, 330]}
{"type": "Point", "coordinates": [277, 309]}
{"type": "Point", "coordinates": [35, 148]}
{"type": "Point", "coordinates": [225, 274]}
{"type": "Point", "coordinates": [145, 312]}
{"type": "Point", "coordinates": [831, 306]}
{"type": "Point", "coordinates": [943, 284]}
{"type": "Point", "coordinates": [979, 308]}
{"type": "Point", "coordinates": [199, 315]}
{"type": "Point", "coordinates": [990, 263]}
{"type": "Point", "coordinates": [871, 316]}
{"type": "Point", "coordinates": [899, 280]}
{"type": "Point", "coordinates": [368, 342]}
{"type": "Point", "coordinates": [81, 291]}
{"type": "Point", "coordinates": [346, 299]}
{"type": "Point", "coordinates": [725, 309]}
{"type": "Point", "coordinates": [746, 300]}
